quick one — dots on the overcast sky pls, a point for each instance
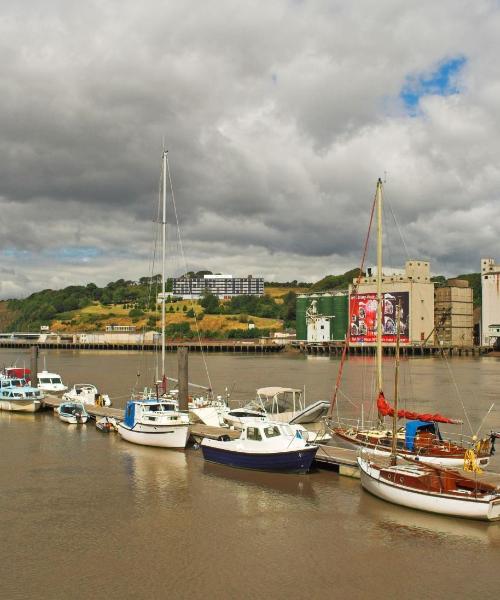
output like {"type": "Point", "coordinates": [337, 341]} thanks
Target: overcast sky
{"type": "Point", "coordinates": [279, 116]}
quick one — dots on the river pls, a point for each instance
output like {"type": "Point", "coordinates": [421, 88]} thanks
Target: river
{"type": "Point", "coordinates": [86, 515]}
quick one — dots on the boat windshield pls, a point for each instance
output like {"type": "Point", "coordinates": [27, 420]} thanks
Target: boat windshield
{"type": "Point", "coordinates": [253, 433]}
{"type": "Point", "coordinates": [56, 380]}
{"type": "Point", "coordinates": [152, 407]}
{"type": "Point", "coordinates": [272, 431]}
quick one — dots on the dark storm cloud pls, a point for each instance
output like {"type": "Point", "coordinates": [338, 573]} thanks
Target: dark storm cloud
{"type": "Point", "coordinates": [278, 116]}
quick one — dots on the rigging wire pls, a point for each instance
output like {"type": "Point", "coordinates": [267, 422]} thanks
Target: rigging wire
{"type": "Point", "coordinates": [355, 288]}
{"type": "Point", "coordinates": [443, 355]}
{"type": "Point", "coordinates": [183, 256]}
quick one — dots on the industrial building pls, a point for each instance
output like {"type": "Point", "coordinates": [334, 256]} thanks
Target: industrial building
{"type": "Point", "coordinates": [326, 317]}
{"type": "Point", "coordinates": [453, 314]}
{"type": "Point", "coordinates": [222, 286]}
{"type": "Point", "coordinates": [322, 317]}
{"type": "Point", "coordinates": [412, 288]}
{"type": "Point", "coordinates": [490, 291]}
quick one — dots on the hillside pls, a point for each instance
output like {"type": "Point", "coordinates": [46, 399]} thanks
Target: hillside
{"type": "Point", "coordinates": [121, 302]}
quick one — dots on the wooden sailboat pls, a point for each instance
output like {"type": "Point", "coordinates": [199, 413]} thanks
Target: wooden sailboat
{"type": "Point", "coordinates": [420, 437]}
{"type": "Point", "coordinates": [153, 420]}
{"type": "Point", "coordinates": [426, 487]}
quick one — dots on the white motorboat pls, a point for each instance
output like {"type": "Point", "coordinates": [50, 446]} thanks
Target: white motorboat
{"type": "Point", "coordinates": [154, 422]}
{"type": "Point", "coordinates": [87, 394]}
{"type": "Point", "coordinates": [51, 382]}
{"type": "Point", "coordinates": [263, 445]}
{"type": "Point", "coordinates": [237, 417]}
{"type": "Point", "coordinates": [285, 405]}
{"type": "Point", "coordinates": [72, 412]}
{"type": "Point", "coordinates": [16, 395]}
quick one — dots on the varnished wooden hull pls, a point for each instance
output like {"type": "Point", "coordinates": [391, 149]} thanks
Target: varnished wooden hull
{"type": "Point", "coordinates": [452, 459]}
{"type": "Point", "coordinates": [440, 503]}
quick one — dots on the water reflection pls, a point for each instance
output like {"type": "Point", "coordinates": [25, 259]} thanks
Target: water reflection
{"type": "Point", "coordinates": [155, 474]}
{"type": "Point", "coordinates": [248, 481]}
{"type": "Point", "coordinates": [397, 521]}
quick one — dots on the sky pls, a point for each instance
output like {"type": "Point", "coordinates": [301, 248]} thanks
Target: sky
{"type": "Point", "coordinates": [278, 117]}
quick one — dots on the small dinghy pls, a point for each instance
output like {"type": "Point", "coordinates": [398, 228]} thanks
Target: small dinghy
{"type": "Point", "coordinates": [107, 424]}
{"type": "Point", "coordinates": [72, 412]}
{"type": "Point", "coordinates": [264, 446]}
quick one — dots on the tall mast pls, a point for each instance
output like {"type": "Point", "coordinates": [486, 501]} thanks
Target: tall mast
{"type": "Point", "coordinates": [379, 284]}
{"type": "Point", "coordinates": [396, 388]}
{"type": "Point", "coordinates": [163, 262]}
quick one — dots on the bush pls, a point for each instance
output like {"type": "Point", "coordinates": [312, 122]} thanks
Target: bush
{"type": "Point", "coordinates": [135, 313]}
{"type": "Point", "coordinates": [176, 330]}
{"type": "Point", "coordinates": [190, 313]}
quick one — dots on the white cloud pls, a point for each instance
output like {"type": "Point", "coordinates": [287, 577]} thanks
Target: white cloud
{"type": "Point", "coordinates": [279, 118]}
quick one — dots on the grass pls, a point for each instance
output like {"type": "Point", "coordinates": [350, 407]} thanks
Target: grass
{"type": "Point", "coordinates": [96, 316]}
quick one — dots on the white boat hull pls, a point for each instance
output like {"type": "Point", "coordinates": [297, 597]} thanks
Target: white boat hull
{"type": "Point", "coordinates": [162, 436]}
{"type": "Point", "coordinates": [209, 415]}
{"type": "Point", "coordinates": [73, 419]}
{"type": "Point", "coordinates": [20, 405]}
{"type": "Point", "coordinates": [435, 503]}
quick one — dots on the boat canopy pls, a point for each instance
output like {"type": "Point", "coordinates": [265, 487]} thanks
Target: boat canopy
{"type": "Point", "coordinates": [269, 392]}
{"type": "Point", "coordinates": [130, 414]}
{"type": "Point", "coordinates": [412, 428]}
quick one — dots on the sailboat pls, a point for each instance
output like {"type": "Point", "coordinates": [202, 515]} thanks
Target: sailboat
{"type": "Point", "coordinates": [426, 487]}
{"type": "Point", "coordinates": [420, 438]}
{"type": "Point", "coordinates": [153, 420]}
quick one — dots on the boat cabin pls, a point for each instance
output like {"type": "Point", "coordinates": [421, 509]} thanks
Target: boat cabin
{"type": "Point", "coordinates": [150, 411]}
{"type": "Point", "coordinates": [49, 378]}
{"type": "Point", "coordinates": [13, 382]}
{"type": "Point", "coordinates": [263, 431]}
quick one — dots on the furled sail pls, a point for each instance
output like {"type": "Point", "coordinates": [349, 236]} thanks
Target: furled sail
{"type": "Point", "coordinates": [386, 410]}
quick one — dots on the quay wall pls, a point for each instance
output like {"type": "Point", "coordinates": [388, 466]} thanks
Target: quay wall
{"type": "Point", "coordinates": [171, 346]}
{"type": "Point", "coordinates": [335, 349]}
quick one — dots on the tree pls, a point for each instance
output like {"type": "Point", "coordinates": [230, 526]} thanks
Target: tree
{"type": "Point", "coordinates": [210, 303]}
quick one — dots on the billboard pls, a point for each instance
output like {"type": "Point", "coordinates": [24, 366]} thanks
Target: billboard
{"type": "Point", "coordinates": [363, 313]}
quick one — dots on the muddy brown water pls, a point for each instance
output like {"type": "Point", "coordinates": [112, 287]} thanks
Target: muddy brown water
{"type": "Point", "coordinates": [86, 515]}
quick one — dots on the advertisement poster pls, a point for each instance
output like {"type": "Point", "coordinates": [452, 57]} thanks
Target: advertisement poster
{"type": "Point", "coordinates": [363, 311]}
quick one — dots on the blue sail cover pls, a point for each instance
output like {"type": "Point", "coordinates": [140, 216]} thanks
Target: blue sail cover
{"type": "Point", "coordinates": [412, 428]}
{"type": "Point", "coordinates": [130, 414]}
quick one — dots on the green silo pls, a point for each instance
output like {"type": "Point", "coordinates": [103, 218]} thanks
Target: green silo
{"type": "Point", "coordinates": [301, 307]}
{"type": "Point", "coordinates": [341, 312]}
{"type": "Point", "coordinates": [325, 308]}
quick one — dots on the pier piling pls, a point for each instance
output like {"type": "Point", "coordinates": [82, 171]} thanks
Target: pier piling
{"type": "Point", "coordinates": [182, 367]}
{"type": "Point", "coordinates": [34, 366]}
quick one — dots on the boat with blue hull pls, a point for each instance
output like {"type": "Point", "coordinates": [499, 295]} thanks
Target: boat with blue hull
{"type": "Point", "coordinates": [263, 446]}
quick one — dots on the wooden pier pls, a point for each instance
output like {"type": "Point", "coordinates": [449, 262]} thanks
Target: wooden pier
{"type": "Point", "coordinates": [198, 430]}
{"type": "Point", "coordinates": [340, 460]}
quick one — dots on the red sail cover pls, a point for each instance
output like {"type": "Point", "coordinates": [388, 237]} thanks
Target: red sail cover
{"type": "Point", "coordinates": [386, 410]}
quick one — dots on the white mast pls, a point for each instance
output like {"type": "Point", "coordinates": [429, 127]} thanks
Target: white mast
{"type": "Point", "coordinates": [163, 263]}
{"type": "Point", "coordinates": [379, 285]}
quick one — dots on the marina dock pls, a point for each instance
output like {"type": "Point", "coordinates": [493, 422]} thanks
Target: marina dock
{"type": "Point", "coordinates": [340, 460]}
